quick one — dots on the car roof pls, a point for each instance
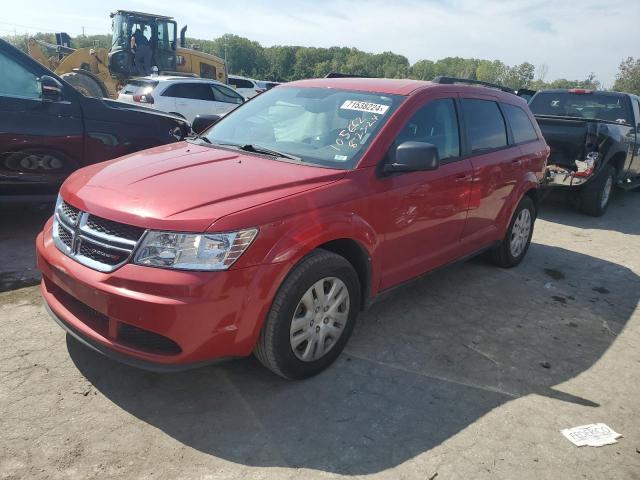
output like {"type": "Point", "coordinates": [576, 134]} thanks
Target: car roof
{"type": "Point", "coordinates": [590, 90]}
{"type": "Point", "coordinates": [173, 78]}
{"type": "Point", "coordinates": [241, 77]}
{"type": "Point", "coordinates": [394, 86]}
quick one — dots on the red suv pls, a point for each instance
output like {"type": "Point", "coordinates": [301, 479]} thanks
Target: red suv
{"type": "Point", "coordinates": [273, 229]}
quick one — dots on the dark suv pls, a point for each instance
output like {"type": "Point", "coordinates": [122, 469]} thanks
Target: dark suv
{"type": "Point", "coordinates": [48, 129]}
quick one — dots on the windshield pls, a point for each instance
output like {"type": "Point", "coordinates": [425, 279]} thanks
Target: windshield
{"type": "Point", "coordinates": [321, 126]}
{"type": "Point", "coordinates": [612, 108]}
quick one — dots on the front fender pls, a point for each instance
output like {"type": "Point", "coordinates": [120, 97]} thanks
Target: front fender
{"type": "Point", "coordinates": [300, 236]}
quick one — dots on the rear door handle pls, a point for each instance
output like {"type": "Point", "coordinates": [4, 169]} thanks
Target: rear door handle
{"type": "Point", "coordinates": [462, 177]}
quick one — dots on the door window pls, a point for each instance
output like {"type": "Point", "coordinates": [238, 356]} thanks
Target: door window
{"type": "Point", "coordinates": [16, 80]}
{"type": "Point", "coordinates": [240, 83]}
{"type": "Point", "coordinates": [521, 126]}
{"type": "Point", "coordinates": [226, 95]}
{"type": "Point", "coordinates": [485, 124]}
{"type": "Point", "coordinates": [193, 91]}
{"type": "Point", "coordinates": [435, 123]}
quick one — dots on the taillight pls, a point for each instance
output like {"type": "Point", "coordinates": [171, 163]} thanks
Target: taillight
{"type": "Point", "coordinates": [580, 90]}
{"type": "Point", "coordinates": [146, 98]}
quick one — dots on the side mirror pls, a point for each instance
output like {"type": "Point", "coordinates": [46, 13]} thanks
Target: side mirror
{"type": "Point", "coordinates": [51, 89]}
{"type": "Point", "coordinates": [413, 157]}
{"type": "Point", "coordinates": [203, 122]}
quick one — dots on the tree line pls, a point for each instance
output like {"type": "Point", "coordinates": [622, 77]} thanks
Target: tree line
{"type": "Point", "coordinates": [286, 62]}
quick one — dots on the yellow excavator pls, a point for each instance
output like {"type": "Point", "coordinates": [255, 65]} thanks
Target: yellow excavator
{"type": "Point", "coordinates": [98, 72]}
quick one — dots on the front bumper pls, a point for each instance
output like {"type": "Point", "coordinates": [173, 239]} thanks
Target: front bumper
{"type": "Point", "coordinates": [155, 318]}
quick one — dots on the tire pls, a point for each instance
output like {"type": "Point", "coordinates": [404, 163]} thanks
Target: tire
{"type": "Point", "coordinates": [595, 196]}
{"type": "Point", "coordinates": [275, 347]}
{"type": "Point", "coordinates": [85, 84]}
{"type": "Point", "coordinates": [506, 255]}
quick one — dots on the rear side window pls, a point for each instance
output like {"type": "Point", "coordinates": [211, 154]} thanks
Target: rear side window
{"type": "Point", "coordinates": [226, 95]}
{"type": "Point", "coordinates": [240, 83]}
{"type": "Point", "coordinates": [485, 124]}
{"type": "Point", "coordinates": [193, 91]}
{"type": "Point", "coordinates": [138, 87]}
{"type": "Point", "coordinates": [521, 126]}
{"type": "Point", "coordinates": [435, 123]}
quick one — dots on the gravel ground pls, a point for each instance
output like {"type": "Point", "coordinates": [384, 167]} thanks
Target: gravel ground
{"type": "Point", "coordinates": [469, 373]}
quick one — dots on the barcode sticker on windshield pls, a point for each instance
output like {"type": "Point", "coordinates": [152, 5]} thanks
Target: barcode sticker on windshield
{"type": "Point", "coordinates": [365, 107]}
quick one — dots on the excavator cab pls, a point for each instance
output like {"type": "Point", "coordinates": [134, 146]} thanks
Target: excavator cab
{"type": "Point", "coordinates": [159, 30]}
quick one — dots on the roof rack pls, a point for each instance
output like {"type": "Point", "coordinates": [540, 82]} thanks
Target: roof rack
{"type": "Point", "coordinates": [344, 75]}
{"type": "Point", "coordinates": [452, 80]}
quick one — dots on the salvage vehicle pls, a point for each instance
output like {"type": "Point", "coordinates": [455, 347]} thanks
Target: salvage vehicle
{"type": "Point", "coordinates": [48, 129]}
{"type": "Point", "coordinates": [185, 97]}
{"type": "Point", "coordinates": [269, 232]}
{"type": "Point", "coordinates": [593, 137]}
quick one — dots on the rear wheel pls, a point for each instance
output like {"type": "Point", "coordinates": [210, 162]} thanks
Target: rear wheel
{"type": "Point", "coordinates": [515, 243]}
{"type": "Point", "coordinates": [311, 318]}
{"type": "Point", "coordinates": [85, 84]}
{"type": "Point", "coordinates": [595, 196]}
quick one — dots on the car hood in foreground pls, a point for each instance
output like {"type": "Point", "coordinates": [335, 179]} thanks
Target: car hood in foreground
{"type": "Point", "coordinates": [187, 187]}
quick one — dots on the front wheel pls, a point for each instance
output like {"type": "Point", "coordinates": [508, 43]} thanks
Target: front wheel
{"type": "Point", "coordinates": [515, 243]}
{"type": "Point", "coordinates": [311, 318]}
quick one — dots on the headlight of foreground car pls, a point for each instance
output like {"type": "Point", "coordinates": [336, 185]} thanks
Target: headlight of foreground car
{"type": "Point", "coordinates": [186, 251]}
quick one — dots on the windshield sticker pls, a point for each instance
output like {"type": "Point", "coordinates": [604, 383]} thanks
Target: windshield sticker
{"type": "Point", "coordinates": [340, 158]}
{"type": "Point", "coordinates": [356, 133]}
{"type": "Point", "coordinates": [365, 107]}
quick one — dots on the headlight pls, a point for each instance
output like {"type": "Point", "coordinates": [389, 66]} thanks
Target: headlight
{"type": "Point", "coordinates": [186, 251]}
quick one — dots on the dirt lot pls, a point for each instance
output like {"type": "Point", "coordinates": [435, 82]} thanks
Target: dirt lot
{"type": "Point", "coordinates": [470, 373]}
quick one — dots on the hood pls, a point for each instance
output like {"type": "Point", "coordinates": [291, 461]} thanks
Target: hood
{"type": "Point", "coordinates": [124, 112]}
{"type": "Point", "coordinates": [187, 187]}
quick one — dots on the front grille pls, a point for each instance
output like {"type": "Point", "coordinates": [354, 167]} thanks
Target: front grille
{"type": "Point", "coordinates": [65, 236]}
{"type": "Point", "coordinates": [70, 213]}
{"type": "Point", "coordinates": [99, 253]}
{"type": "Point", "coordinates": [96, 242]}
{"type": "Point", "coordinates": [146, 341]}
{"type": "Point", "coordinates": [125, 334]}
{"type": "Point", "coordinates": [114, 229]}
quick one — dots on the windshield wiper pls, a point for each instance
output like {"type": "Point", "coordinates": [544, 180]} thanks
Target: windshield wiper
{"type": "Point", "coordinates": [250, 147]}
{"type": "Point", "coordinates": [204, 139]}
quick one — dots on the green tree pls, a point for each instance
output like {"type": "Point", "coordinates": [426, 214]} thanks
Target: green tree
{"type": "Point", "coordinates": [628, 78]}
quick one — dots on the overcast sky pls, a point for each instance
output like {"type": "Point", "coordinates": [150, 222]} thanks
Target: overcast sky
{"type": "Point", "coordinates": [572, 38]}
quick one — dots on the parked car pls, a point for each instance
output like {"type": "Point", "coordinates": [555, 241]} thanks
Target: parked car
{"type": "Point", "coordinates": [247, 87]}
{"type": "Point", "coordinates": [48, 129]}
{"type": "Point", "coordinates": [593, 137]}
{"type": "Point", "coordinates": [267, 85]}
{"type": "Point", "coordinates": [275, 227]}
{"type": "Point", "coordinates": [186, 97]}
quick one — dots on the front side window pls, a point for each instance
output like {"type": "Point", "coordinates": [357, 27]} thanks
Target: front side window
{"type": "Point", "coordinates": [521, 126]}
{"type": "Point", "coordinates": [485, 124]}
{"type": "Point", "coordinates": [435, 123]}
{"type": "Point", "coordinates": [321, 126]}
{"type": "Point", "coordinates": [16, 80]}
